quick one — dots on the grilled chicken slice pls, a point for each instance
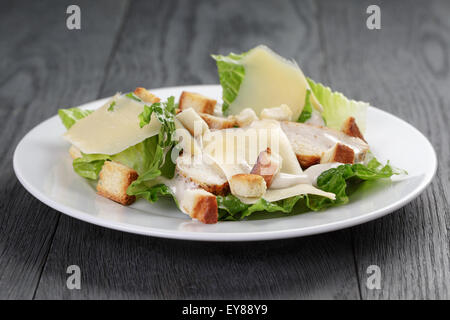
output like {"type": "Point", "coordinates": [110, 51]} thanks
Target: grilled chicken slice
{"type": "Point", "coordinates": [316, 144]}
{"type": "Point", "coordinates": [217, 123]}
{"type": "Point", "coordinates": [206, 176]}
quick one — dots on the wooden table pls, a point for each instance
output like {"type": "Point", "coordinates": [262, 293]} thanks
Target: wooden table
{"type": "Point", "coordinates": [403, 68]}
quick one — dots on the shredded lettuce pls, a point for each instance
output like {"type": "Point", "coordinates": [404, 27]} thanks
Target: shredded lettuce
{"type": "Point", "coordinates": [337, 108]}
{"type": "Point", "coordinates": [231, 73]}
{"type": "Point", "coordinates": [72, 115]}
{"type": "Point", "coordinates": [338, 180]}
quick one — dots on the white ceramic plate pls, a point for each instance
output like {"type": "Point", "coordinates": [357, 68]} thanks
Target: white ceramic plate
{"type": "Point", "coordinates": [44, 167]}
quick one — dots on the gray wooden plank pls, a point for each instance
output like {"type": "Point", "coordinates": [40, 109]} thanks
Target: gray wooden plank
{"type": "Point", "coordinates": [173, 48]}
{"type": "Point", "coordinates": [404, 69]}
{"type": "Point", "coordinates": [43, 66]}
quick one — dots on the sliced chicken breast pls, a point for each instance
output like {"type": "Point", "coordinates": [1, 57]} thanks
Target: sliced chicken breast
{"type": "Point", "coordinates": [316, 144]}
{"type": "Point", "coordinates": [206, 176]}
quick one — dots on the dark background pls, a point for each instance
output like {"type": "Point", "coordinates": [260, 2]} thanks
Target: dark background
{"type": "Point", "coordinates": [402, 68]}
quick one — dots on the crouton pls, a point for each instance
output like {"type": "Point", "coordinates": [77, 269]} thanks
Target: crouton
{"type": "Point", "coordinates": [315, 144]}
{"type": "Point", "coordinates": [308, 160]}
{"type": "Point", "coordinates": [200, 205]}
{"type": "Point", "coordinates": [196, 101]}
{"type": "Point", "coordinates": [217, 123]}
{"type": "Point", "coordinates": [248, 185]}
{"type": "Point", "coordinates": [281, 113]}
{"type": "Point", "coordinates": [146, 95]}
{"type": "Point", "coordinates": [114, 181]}
{"type": "Point", "coordinates": [339, 153]}
{"type": "Point", "coordinates": [351, 129]}
{"type": "Point", "coordinates": [75, 152]}
{"type": "Point", "coordinates": [267, 166]}
{"type": "Point", "coordinates": [204, 175]}
{"type": "Point", "coordinates": [245, 117]}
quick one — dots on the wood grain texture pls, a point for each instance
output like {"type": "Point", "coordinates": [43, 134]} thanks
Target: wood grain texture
{"type": "Point", "coordinates": [173, 48]}
{"type": "Point", "coordinates": [404, 69]}
{"type": "Point", "coordinates": [43, 66]}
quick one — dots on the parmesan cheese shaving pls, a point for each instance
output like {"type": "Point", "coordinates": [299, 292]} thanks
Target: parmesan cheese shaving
{"type": "Point", "coordinates": [279, 194]}
{"type": "Point", "coordinates": [112, 131]}
{"type": "Point", "coordinates": [270, 81]}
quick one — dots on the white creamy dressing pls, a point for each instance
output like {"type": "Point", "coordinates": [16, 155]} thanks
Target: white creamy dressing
{"type": "Point", "coordinates": [309, 176]}
{"type": "Point", "coordinates": [316, 119]}
{"type": "Point", "coordinates": [178, 185]}
{"type": "Point", "coordinates": [315, 171]}
{"type": "Point", "coordinates": [354, 147]}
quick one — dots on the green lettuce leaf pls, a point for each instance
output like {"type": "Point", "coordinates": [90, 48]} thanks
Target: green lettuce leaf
{"type": "Point", "coordinates": [161, 163]}
{"type": "Point", "coordinates": [89, 165]}
{"type": "Point", "coordinates": [231, 208]}
{"type": "Point", "coordinates": [336, 180]}
{"type": "Point", "coordinates": [152, 193]}
{"type": "Point", "coordinates": [337, 108]}
{"type": "Point", "coordinates": [72, 115]}
{"type": "Point", "coordinates": [231, 73]}
{"type": "Point", "coordinates": [307, 109]}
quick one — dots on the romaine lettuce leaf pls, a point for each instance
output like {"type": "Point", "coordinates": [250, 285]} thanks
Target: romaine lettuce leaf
{"type": "Point", "coordinates": [337, 108]}
{"type": "Point", "coordinates": [307, 109]}
{"type": "Point", "coordinates": [152, 193]}
{"type": "Point", "coordinates": [231, 73]}
{"type": "Point", "coordinates": [72, 115]}
{"type": "Point", "coordinates": [89, 165]}
{"type": "Point", "coordinates": [231, 208]}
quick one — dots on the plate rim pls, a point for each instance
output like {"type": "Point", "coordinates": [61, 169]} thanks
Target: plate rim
{"type": "Point", "coordinates": [224, 237]}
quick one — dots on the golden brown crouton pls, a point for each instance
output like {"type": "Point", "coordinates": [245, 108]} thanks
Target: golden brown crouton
{"type": "Point", "coordinates": [217, 123]}
{"type": "Point", "coordinates": [74, 152]}
{"type": "Point", "coordinates": [200, 205]}
{"type": "Point", "coordinates": [339, 153]}
{"type": "Point", "coordinates": [351, 129]}
{"type": "Point", "coordinates": [248, 185]}
{"type": "Point", "coordinates": [146, 95]}
{"type": "Point", "coordinates": [198, 102]}
{"type": "Point", "coordinates": [114, 181]}
{"type": "Point", "coordinates": [307, 160]}
{"type": "Point", "coordinates": [266, 166]}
